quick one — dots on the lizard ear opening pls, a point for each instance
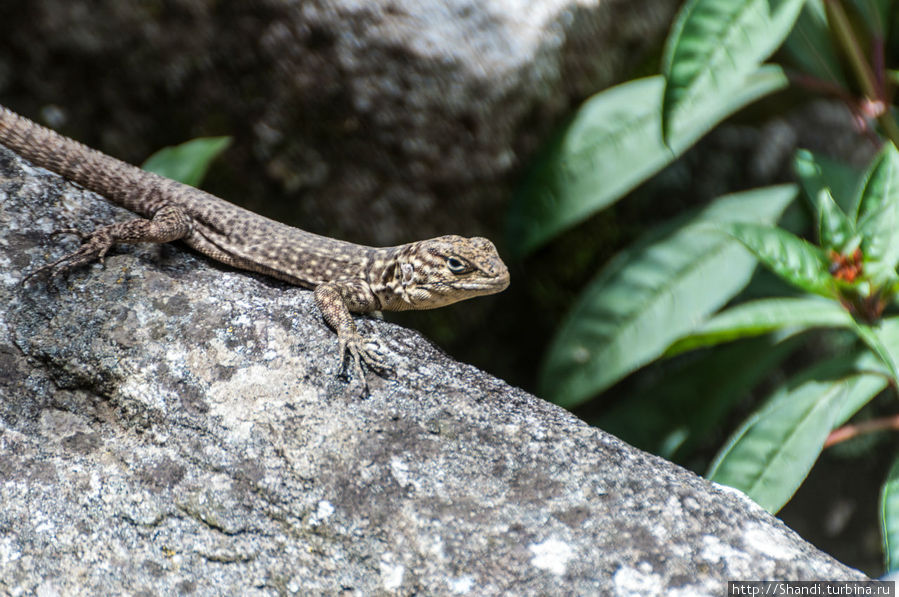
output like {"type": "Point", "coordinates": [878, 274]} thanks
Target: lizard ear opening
{"type": "Point", "coordinates": [408, 272]}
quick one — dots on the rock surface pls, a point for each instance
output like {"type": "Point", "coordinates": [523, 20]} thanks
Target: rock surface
{"type": "Point", "coordinates": [168, 426]}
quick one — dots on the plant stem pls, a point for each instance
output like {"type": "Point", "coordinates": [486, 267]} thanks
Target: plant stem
{"type": "Point", "coordinates": [843, 30]}
{"type": "Point", "coordinates": [868, 81]}
{"type": "Point", "coordinates": [847, 432]}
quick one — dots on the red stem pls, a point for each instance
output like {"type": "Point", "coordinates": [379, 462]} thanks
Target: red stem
{"type": "Point", "coordinates": [847, 432]}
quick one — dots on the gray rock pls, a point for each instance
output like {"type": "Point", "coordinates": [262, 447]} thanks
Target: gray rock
{"type": "Point", "coordinates": [169, 426]}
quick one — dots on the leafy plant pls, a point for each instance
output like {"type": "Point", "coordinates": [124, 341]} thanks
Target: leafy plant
{"type": "Point", "coordinates": [853, 271]}
{"type": "Point", "coordinates": [662, 296]}
{"type": "Point", "coordinates": [189, 161]}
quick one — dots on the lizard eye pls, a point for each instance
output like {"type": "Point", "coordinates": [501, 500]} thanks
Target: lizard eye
{"type": "Point", "coordinates": [457, 266]}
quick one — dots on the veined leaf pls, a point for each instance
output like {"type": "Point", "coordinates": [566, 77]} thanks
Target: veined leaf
{"type": "Point", "coordinates": [651, 294]}
{"type": "Point", "coordinates": [772, 452]}
{"type": "Point", "coordinates": [816, 172]}
{"type": "Point", "coordinates": [691, 396]}
{"type": "Point", "coordinates": [861, 363]}
{"type": "Point", "coordinates": [889, 518]}
{"type": "Point", "coordinates": [878, 209]}
{"type": "Point", "coordinates": [811, 46]}
{"type": "Point", "coordinates": [715, 44]}
{"type": "Point", "coordinates": [835, 230]}
{"type": "Point", "coordinates": [795, 260]}
{"type": "Point", "coordinates": [189, 161]}
{"type": "Point", "coordinates": [763, 316]}
{"type": "Point", "coordinates": [613, 144]}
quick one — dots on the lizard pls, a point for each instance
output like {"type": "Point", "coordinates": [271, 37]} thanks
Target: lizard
{"type": "Point", "coordinates": [345, 278]}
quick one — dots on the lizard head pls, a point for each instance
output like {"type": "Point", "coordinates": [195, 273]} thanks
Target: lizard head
{"type": "Point", "coordinates": [444, 270]}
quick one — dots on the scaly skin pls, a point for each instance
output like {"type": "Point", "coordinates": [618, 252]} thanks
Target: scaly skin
{"type": "Point", "coordinates": [346, 278]}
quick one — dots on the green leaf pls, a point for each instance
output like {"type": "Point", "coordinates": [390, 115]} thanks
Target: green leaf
{"type": "Point", "coordinates": [761, 317]}
{"type": "Point", "coordinates": [873, 338]}
{"type": "Point", "coordinates": [688, 398]}
{"type": "Point", "coordinates": [613, 144]}
{"type": "Point", "coordinates": [872, 382]}
{"type": "Point", "coordinates": [835, 230]}
{"type": "Point", "coordinates": [888, 332]}
{"type": "Point", "coordinates": [878, 209]}
{"type": "Point", "coordinates": [883, 340]}
{"type": "Point", "coordinates": [770, 455]}
{"type": "Point", "coordinates": [651, 294]}
{"type": "Point", "coordinates": [817, 172]}
{"type": "Point", "coordinates": [795, 260]}
{"type": "Point", "coordinates": [189, 161]}
{"type": "Point", "coordinates": [889, 518]}
{"type": "Point", "coordinates": [714, 45]}
{"type": "Point", "coordinates": [811, 46]}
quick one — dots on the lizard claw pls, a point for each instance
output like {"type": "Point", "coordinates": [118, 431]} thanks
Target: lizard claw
{"type": "Point", "coordinates": [82, 236]}
{"type": "Point", "coordinates": [94, 247]}
{"type": "Point", "coordinates": [360, 351]}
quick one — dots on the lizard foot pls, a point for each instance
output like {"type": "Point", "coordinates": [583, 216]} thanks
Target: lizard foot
{"type": "Point", "coordinates": [362, 350]}
{"type": "Point", "coordinates": [94, 247]}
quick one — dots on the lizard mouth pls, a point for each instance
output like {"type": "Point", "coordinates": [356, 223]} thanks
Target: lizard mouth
{"type": "Point", "coordinates": [486, 286]}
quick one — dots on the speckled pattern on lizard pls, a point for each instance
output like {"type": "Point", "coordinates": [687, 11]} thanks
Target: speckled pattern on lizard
{"type": "Point", "coordinates": [345, 277]}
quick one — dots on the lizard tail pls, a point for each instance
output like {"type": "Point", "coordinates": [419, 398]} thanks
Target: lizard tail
{"type": "Point", "coordinates": [116, 180]}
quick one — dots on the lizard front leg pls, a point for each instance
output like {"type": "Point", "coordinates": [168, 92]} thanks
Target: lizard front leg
{"type": "Point", "coordinates": [335, 300]}
{"type": "Point", "coordinates": [168, 224]}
